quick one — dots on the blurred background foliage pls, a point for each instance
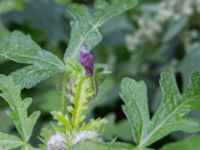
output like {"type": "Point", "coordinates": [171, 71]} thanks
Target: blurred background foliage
{"type": "Point", "coordinates": [156, 35]}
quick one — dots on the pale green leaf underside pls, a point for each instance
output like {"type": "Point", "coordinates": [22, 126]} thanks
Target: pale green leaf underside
{"type": "Point", "coordinates": [85, 25]}
{"type": "Point", "coordinates": [170, 115]}
{"type": "Point", "coordinates": [8, 142]}
{"type": "Point", "coordinates": [11, 94]}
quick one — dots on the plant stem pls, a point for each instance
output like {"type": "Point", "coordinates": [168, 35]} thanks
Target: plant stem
{"type": "Point", "coordinates": [63, 92]}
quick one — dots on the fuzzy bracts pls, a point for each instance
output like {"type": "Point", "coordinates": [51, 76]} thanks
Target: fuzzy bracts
{"type": "Point", "coordinates": [84, 135]}
{"type": "Point", "coordinates": [56, 142]}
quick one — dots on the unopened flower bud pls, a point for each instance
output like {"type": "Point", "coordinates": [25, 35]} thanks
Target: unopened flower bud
{"type": "Point", "coordinates": [86, 59]}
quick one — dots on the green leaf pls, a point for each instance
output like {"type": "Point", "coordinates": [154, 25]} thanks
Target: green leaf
{"type": "Point", "coordinates": [11, 94]}
{"type": "Point", "coordinates": [186, 144]}
{"type": "Point", "coordinates": [8, 142]}
{"type": "Point", "coordinates": [170, 115]}
{"type": "Point", "coordinates": [134, 95]}
{"type": "Point", "coordinates": [175, 28]}
{"type": "Point", "coordinates": [29, 76]}
{"type": "Point", "coordinates": [22, 49]}
{"type": "Point", "coordinates": [85, 25]}
{"type": "Point", "coordinates": [102, 146]}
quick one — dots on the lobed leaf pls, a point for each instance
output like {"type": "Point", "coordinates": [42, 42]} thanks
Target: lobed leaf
{"type": "Point", "coordinates": [170, 115]}
{"type": "Point", "coordinates": [22, 49]}
{"type": "Point", "coordinates": [86, 25]}
{"type": "Point", "coordinates": [11, 94]}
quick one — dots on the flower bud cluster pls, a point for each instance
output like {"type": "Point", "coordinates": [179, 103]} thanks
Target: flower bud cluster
{"type": "Point", "coordinates": [56, 142]}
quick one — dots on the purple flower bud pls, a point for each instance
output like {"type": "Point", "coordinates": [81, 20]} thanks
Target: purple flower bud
{"type": "Point", "coordinates": [86, 59]}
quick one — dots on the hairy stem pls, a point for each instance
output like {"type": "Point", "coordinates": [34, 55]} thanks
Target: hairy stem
{"type": "Point", "coordinates": [77, 105]}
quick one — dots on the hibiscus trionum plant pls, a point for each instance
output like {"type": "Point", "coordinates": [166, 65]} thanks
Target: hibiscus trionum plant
{"type": "Point", "coordinates": [80, 85]}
